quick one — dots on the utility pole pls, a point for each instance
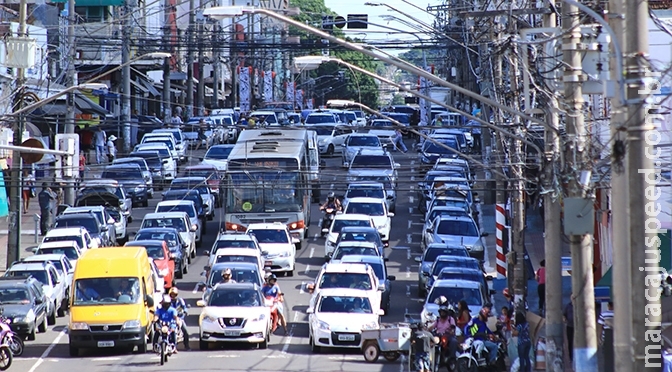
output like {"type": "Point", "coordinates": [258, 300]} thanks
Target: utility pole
{"type": "Point", "coordinates": [578, 155]}
{"type": "Point", "coordinates": [14, 235]}
{"type": "Point", "coordinates": [167, 11]}
{"type": "Point", "coordinates": [621, 275]}
{"type": "Point", "coordinates": [552, 247]}
{"type": "Point", "coordinates": [126, 76]}
{"type": "Point", "coordinates": [200, 102]}
{"type": "Point", "coordinates": [215, 64]}
{"type": "Point", "coordinates": [644, 205]}
{"type": "Point", "coordinates": [69, 194]}
{"type": "Point", "coordinates": [189, 101]}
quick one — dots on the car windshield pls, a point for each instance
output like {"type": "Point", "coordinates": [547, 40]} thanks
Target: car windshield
{"type": "Point", "coordinates": [70, 252]}
{"type": "Point", "coordinates": [442, 264]}
{"type": "Point", "coordinates": [90, 224]}
{"type": "Point", "coordinates": [123, 174]}
{"type": "Point", "coordinates": [40, 275]}
{"type": "Point", "coordinates": [189, 209]}
{"type": "Point", "coordinates": [382, 123]}
{"type": "Point", "coordinates": [77, 238]}
{"type": "Point", "coordinates": [239, 275]}
{"type": "Point", "coordinates": [9, 295]}
{"type": "Point", "coordinates": [154, 251]}
{"type": "Point", "coordinates": [168, 237]}
{"type": "Point", "coordinates": [339, 224]}
{"type": "Point", "coordinates": [474, 276]}
{"type": "Point", "coordinates": [364, 141]}
{"type": "Point", "coordinates": [454, 295]}
{"type": "Point", "coordinates": [99, 189]}
{"type": "Point", "coordinates": [139, 162]}
{"type": "Point", "coordinates": [207, 173]}
{"type": "Point", "coordinates": [58, 264]}
{"type": "Point", "coordinates": [202, 188]}
{"type": "Point", "coordinates": [432, 253]}
{"type": "Point", "coordinates": [450, 203]}
{"type": "Point", "coordinates": [371, 237]}
{"type": "Point", "coordinates": [369, 209]}
{"type": "Point", "coordinates": [107, 291]}
{"type": "Point", "coordinates": [433, 148]}
{"type": "Point", "coordinates": [385, 180]}
{"type": "Point", "coordinates": [323, 131]}
{"type": "Point", "coordinates": [345, 280]}
{"type": "Point", "coordinates": [446, 212]}
{"type": "Point", "coordinates": [183, 195]}
{"type": "Point", "coordinates": [218, 152]}
{"type": "Point", "coordinates": [460, 228]}
{"type": "Point", "coordinates": [350, 251]}
{"type": "Point", "coordinates": [176, 223]}
{"type": "Point", "coordinates": [320, 119]}
{"type": "Point", "coordinates": [235, 297]}
{"type": "Point", "coordinates": [270, 235]}
{"type": "Point", "coordinates": [365, 192]}
{"type": "Point", "coordinates": [163, 152]}
{"type": "Point", "coordinates": [268, 118]}
{"type": "Point", "coordinates": [265, 192]}
{"type": "Point", "coordinates": [168, 142]}
{"type": "Point", "coordinates": [372, 161]}
{"type": "Point", "coordinates": [235, 244]}
{"type": "Point", "coordinates": [153, 161]}
{"type": "Point", "coordinates": [345, 304]}
{"type": "Point", "coordinates": [233, 258]}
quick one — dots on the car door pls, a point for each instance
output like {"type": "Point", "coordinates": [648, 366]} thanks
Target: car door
{"type": "Point", "coordinates": [58, 283]}
{"type": "Point", "coordinates": [339, 136]}
{"type": "Point", "coordinates": [430, 232]}
{"type": "Point", "coordinates": [40, 308]}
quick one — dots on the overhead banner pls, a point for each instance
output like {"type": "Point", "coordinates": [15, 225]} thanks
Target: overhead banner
{"type": "Point", "coordinates": [244, 89]}
{"type": "Point", "coordinates": [290, 96]}
{"type": "Point", "coordinates": [268, 86]}
{"type": "Point", "coordinates": [425, 106]}
{"type": "Point", "coordinates": [299, 99]}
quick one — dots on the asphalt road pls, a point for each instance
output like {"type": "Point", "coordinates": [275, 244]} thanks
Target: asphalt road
{"type": "Point", "coordinates": [285, 353]}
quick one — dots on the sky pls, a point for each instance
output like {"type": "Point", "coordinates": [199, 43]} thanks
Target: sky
{"type": "Point", "coordinates": [373, 33]}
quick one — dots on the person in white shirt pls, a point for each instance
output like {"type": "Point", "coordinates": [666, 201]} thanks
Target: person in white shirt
{"type": "Point", "coordinates": [99, 140]}
{"type": "Point", "coordinates": [111, 148]}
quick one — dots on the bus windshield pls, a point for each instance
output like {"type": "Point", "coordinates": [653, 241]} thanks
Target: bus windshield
{"type": "Point", "coordinates": [264, 192]}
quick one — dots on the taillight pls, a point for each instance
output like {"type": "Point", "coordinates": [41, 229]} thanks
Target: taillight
{"type": "Point", "coordinates": [297, 225]}
{"type": "Point", "coordinates": [230, 226]}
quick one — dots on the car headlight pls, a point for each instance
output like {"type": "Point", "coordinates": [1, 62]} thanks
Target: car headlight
{"type": "Point", "coordinates": [285, 254]}
{"type": "Point", "coordinates": [370, 325]}
{"type": "Point", "coordinates": [79, 326]}
{"type": "Point", "coordinates": [139, 188]}
{"type": "Point", "coordinates": [259, 318]}
{"type": "Point", "coordinates": [478, 247]}
{"type": "Point", "coordinates": [208, 318]}
{"type": "Point", "coordinates": [322, 141]}
{"type": "Point", "coordinates": [131, 324]}
{"type": "Point", "coordinates": [330, 243]}
{"type": "Point", "coordinates": [323, 325]}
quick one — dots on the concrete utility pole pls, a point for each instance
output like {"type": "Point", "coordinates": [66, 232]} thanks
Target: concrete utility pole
{"type": "Point", "coordinates": [69, 194]}
{"type": "Point", "coordinates": [189, 101]}
{"type": "Point", "coordinates": [126, 76]}
{"type": "Point", "coordinates": [642, 178]}
{"type": "Point", "coordinates": [200, 89]}
{"type": "Point", "coordinates": [215, 64]}
{"type": "Point", "coordinates": [15, 202]}
{"type": "Point", "coordinates": [577, 153]}
{"type": "Point", "coordinates": [621, 275]}
{"type": "Point", "coordinates": [165, 102]}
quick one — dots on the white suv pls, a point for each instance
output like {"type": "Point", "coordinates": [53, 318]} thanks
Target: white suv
{"type": "Point", "coordinates": [274, 238]}
{"type": "Point", "coordinates": [330, 138]}
{"type": "Point", "coordinates": [377, 210]}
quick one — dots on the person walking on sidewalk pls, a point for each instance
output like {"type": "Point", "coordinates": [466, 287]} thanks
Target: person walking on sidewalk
{"type": "Point", "coordinates": [28, 189]}
{"type": "Point", "coordinates": [99, 139]}
{"type": "Point", "coordinates": [522, 331]}
{"type": "Point", "coordinates": [540, 277]}
{"type": "Point", "coordinates": [111, 148]}
{"type": "Point", "coordinates": [568, 317]}
{"type": "Point", "coordinates": [605, 331]}
{"type": "Point", "coordinates": [46, 199]}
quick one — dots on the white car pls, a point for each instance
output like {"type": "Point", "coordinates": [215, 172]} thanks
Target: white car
{"type": "Point", "coordinates": [264, 118]}
{"type": "Point", "coordinates": [225, 240]}
{"type": "Point", "coordinates": [280, 246]}
{"type": "Point", "coordinates": [69, 248]}
{"type": "Point", "coordinates": [199, 184]}
{"type": "Point", "coordinates": [350, 248]}
{"type": "Point", "coordinates": [357, 141]}
{"type": "Point", "coordinates": [237, 255]}
{"type": "Point", "coordinates": [64, 268]}
{"type": "Point", "coordinates": [186, 206]}
{"type": "Point", "coordinates": [78, 234]}
{"type": "Point", "coordinates": [159, 283]}
{"type": "Point", "coordinates": [176, 220]}
{"type": "Point", "coordinates": [234, 313]}
{"type": "Point", "coordinates": [180, 144]}
{"type": "Point", "coordinates": [168, 163]}
{"type": "Point", "coordinates": [340, 221]}
{"type": "Point", "coordinates": [347, 276]}
{"type": "Point", "coordinates": [374, 190]}
{"type": "Point", "coordinates": [330, 138]}
{"type": "Point", "coordinates": [165, 138]}
{"type": "Point", "coordinates": [338, 317]}
{"type": "Point", "coordinates": [218, 156]}
{"type": "Point", "coordinates": [377, 210]}
{"type": "Point", "coordinates": [454, 290]}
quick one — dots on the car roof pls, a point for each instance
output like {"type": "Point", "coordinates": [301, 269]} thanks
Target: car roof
{"type": "Point", "coordinates": [365, 200]}
{"type": "Point", "coordinates": [65, 231]}
{"type": "Point", "coordinates": [351, 243]}
{"type": "Point", "coordinates": [352, 258]}
{"type": "Point", "coordinates": [180, 191]}
{"type": "Point", "coordinates": [188, 179]}
{"type": "Point", "coordinates": [248, 286]}
{"type": "Point", "coordinates": [266, 226]}
{"type": "Point", "coordinates": [235, 237]}
{"type": "Point", "coordinates": [19, 266]}
{"type": "Point", "coordinates": [366, 184]}
{"type": "Point", "coordinates": [158, 229]}
{"type": "Point", "coordinates": [201, 167]}
{"type": "Point", "coordinates": [454, 218]}
{"type": "Point", "coordinates": [457, 283]}
{"type": "Point", "coordinates": [175, 202]}
{"type": "Point", "coordinates": [73, 210]}
{"type": "Point", "coordinates": [461, 270]}
{"type": "Point", "coordinates": [262, 113]}
{"type": "Point", "coordinates": [362, 135]}
{"type": "Point", "coordinates": [221, 146]}
{"type": "Point", "coordinates": [372, 151]}
{"type": "Point", "coordinates": [445, 257]}
{"type": "Point", "coordinates": [443, 246]}
{"type": "Point", "coordinates": [342, 292]}
{"type": "Point", "coordinates": [166, 215]}
{"type": "Point", "coordinates": [122, 166]}
{"type": "Point", "coordinates": [100, 182]}
{"type": "Point", "coordinates": [341, 267]}
{"type": "Point", "coordinates": [352, 216]}
{"type": "Point", "coordinates": [450, 179]}
{"type": "Point", "coordinates": [127, 160]}
{"type": "Point", "coordinates": [72, 216]}
{"type": "Point", "coordinates": [359, 229]}
{"type": "Point", "coordinates": [236, 265]}
{"type": "Point", "coordinates": [143, 242]}
{"type": "Point", "coordinates": [233, 251]}
{"type": "Point", "coordinates": [45, 257]}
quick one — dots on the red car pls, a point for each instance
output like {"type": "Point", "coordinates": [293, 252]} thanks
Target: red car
{"type": "Point", "coordinates": [214, 179]}
{"type": "Point", "coordinates": [164, 260]}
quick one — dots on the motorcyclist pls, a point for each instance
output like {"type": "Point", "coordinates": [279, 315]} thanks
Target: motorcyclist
{"type": "Point", "coordinates": [166, 314]}
{"type": "Point", "coordinates": [332, 202]}
{"type": "Point", "coordinates": [445, 325]}
{"type": "Point", "coordinates": [478, 329]}
{"type": "Point", "coordinates": [178, 304]}
{"type": "Point", "coordinates": [271, 289]}
{"type": "Point", "coordinates": [226, 277]}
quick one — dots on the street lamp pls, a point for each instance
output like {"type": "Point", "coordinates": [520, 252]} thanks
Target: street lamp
{"type": "Point", "coordinates": [221, 12]}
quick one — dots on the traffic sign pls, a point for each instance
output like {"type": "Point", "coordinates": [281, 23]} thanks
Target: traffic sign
{"type": "Point", "coordinates": [339, 22]}
{"type": "Point", "coordinates": [358, 21]}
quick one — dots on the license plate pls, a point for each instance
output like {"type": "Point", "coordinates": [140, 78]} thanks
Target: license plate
{"type": "Point", "coordinates": [346, 337]}
{"type": "Point", "coordinates": [268, 263]}
{"type": "Point", "coordinates": [295, 235]}
{"type": "Point", "coordinates": [105, 343]}
{"type": "Point", "coordinates": [231, 333]}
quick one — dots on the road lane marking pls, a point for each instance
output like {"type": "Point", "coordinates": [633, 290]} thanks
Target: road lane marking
{"type": "Point", "coordinates": [402, 363]}
{"type": "Point", "coordinates": [221, 356]}
{"type": "Point", "coordinates": [288, 340]}
{"type": "Point", "coordinates": [410, 223]}
{"type": "Point", "coordinates": [105, 359]}
{"type": "Point", "coordinates": [312, 252]}
{"type": "Point", "coordinates": [316, 234]}
{"type": "Point", "coordinates": [408, 291]}
{"type": "Point", "coordinates": [345, 358]}
{"type": "Point", "coordinates": [418, 224]}
{"type": "Point", "coordinates": [412, 162]}
{"type": "Point", "coordinates": [275, 356]}
{"type": "Point", "coordinates": [411, 199]}
{"type": "Point", "coordinates": [412, 177]}
{"type": "Point", "coordinates": [400, 247]}
{"type": "Point", "coordinates": [409, 238]}
{"type": "Point", "coordinates": [331, 187]}
{"type": "Point", "coordinates": [296, 316]}
{"type": "Point", "coordinates": [412, 187]}
{"type": "Point", "coordinates": [45, 354]}
{"type": "Point", "coordinates": [408, 271]}
{"type": "Point", "coordinates": [412, 171]}
{"type": "Point", "coordinates": [408, 254]}
{"type": "Point", "coordinates": [410, 210]}
{"type": "Point", "coordinates": [301, 290]}
{"type": "Point", "coordinates": [307, 269]}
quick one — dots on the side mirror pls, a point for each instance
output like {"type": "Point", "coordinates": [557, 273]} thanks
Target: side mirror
{"type": "Point", "coordinates": [485, 234]}
{"type": "Point", "coordinates": [386, 259]}
{"type": "Point", "coordinates": [477, 200]}
{"type": "Point", "coordinates": [200, 159]}
{"type": "Point", "coordinates": [429, 230]}
{"type": "Point", "coordinates": [425, 273]}
{"type": "Point", "coordinates": [309, 311]}
{"type": "Point", "coordinates": [206, 253]}
{"type": "Point", "coordinates": [397, 165]}
{"type": "Point", "coordinates": [390, 214]}
{"type": "Point", "coordinates": [264, 253]}
{"type": "Point", "coordinates": [164, 161]}
{"type": "Point", "coordinates": [194, 228]}
{"type": "Point", "coordinates": [149, 301]}
{"type": "Point", "coordinates": [346, 164]}
{"type": "Point", "coordinates": [343, 145]}
{"type": "Point", "coordinates": [35, 249]}
{"type": "Point", "coordinates": [381, 288]}
{"type": "Point", "coordinates": [171, 257]}
{"type": "Point", "coordinates": [421, 185]}
{"type": "Point", "coordinates": [38, 301]}
{"type": "Point", "coordinates": [381, 312]}
{"type": "Point", "coordinates": [492, 292]}
{"type": "Point", "coordinates": [325, 230]}
{"type": "Point", "coordinates": [104, 228]}
{"type": "Point", "coordinates": [200, 303]}
{"type": "Point", "coordinates": [391, 278]}
{"type": "Point", "coordinates": [111, 220]}
{"type": "Point", "coordinates": [296, 241]}
{"type": "Point", "coordinates": [489, 277]}
{"type": "Point", "coordinates": [418, 259]}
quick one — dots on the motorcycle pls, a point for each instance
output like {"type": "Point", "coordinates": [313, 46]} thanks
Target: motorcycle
{"type": "Point", "coordinates": [329, 214]}
{"type": "Point", "coordinates": [164, 347]}
{"type": "Point", "coordinates": [443, 357]}
{"type": "Point", "coordinates": [10, 338]}
{"type": "Point", "coordinates": [474, 357]}
{"type": "Point", "coordinates": [273, 303]}
{"type": "Point", "coordinates": [5, 355]}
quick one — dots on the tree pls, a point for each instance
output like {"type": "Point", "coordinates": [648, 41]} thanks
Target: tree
{"type": "Point", "coordinates": [398, 99]}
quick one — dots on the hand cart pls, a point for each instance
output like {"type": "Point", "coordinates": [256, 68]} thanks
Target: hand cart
{"type": "Point", "coordinates": [390, 340]}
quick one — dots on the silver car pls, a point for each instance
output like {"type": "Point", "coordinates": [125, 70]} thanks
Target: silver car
{"type": "Point", "coordinates": [356, 142]}
{"type": "Point", "coordinates": [456, 231]}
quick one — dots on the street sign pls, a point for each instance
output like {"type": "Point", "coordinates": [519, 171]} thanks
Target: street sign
{"type": "Point", "coordinates": [339, 22]}
{"type": "Point", "coordinates": [566, 263]}
{"type": "Point", "coordinates": [327, 22]}
{"type": "Point", "coordinates": [29, 157]}
{"type": "Point", "coordinates": [358, 21]}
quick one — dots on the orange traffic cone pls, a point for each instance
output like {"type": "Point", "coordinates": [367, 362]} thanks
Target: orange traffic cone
{"type": "Point", "coordinates": [540, 354]}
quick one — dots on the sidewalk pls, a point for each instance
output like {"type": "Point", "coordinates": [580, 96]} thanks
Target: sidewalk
{"type": "Point", "coordinates": [27, 234]}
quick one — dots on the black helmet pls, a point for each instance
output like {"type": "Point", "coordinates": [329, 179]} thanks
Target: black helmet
{"type": "Point", "coordinates": [443, 309]}
{"type": "Point", "coordinates": [272, 277]}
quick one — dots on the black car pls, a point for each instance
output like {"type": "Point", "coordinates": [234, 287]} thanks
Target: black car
{"type": "Point", "coordinates": [87, 221]}
{"type": "Point", "coordinates": [25, 304]}
{"type": "Point", "coordinates": [130, 176]}
{"type": "Point", "coordinates": [175, 243]}
{"type": "Point", "coordinates": [155, 165]}
{"type": "Point", "coordinates": [192, 195]}
{"type": "Point", "coordinates": [433, 150]}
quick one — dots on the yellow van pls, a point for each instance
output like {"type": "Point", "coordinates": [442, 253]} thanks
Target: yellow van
{"type": "Point", "coordinates": [112, 299]}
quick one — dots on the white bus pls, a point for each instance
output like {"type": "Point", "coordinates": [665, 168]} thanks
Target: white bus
{"type": "Point", "coordinates": [269, 179]}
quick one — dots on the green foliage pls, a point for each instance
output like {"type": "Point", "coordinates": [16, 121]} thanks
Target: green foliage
{"type": "Point", "coordinates": [398, 99]}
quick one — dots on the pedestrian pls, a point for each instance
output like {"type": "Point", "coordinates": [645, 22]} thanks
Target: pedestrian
{"type": "Point", "coordinates": [28, 190]}
{"type": "Point", "coordinates": [82, 165]}
{"type": "Point", "coordinates": [522, 331]}
{"type": "Point", "coordinates": [438, 122]}
{"type": "Point", "coordinates": [540, 277]}
{"type": "Point", "coordinates": [86, 141]}
{"type": "Point", "coordinates": [605, 332]}
{"type": "Point", "coordinates": [399, 141]}
{"type": "Point", "coordinates": [100, 139]}
{"type": "Point", "coordinates": [202, 126]}
{"type": "Point", "coordinates": [568, 317]}
{"type": "Point", "coordinates": [176, 119]}
{"type": "Point", "coordinates": [46, 199]}
{"type": "Point", "coordinates": [111, 148]}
